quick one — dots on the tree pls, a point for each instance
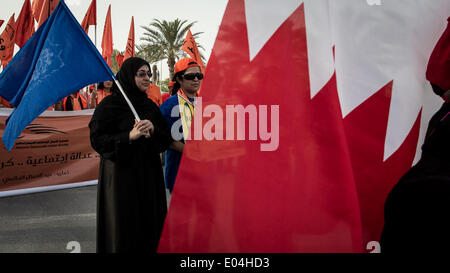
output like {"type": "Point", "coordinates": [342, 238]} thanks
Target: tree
{"type": "Point", "coordinates": [164, 40]}
{"type": "Point", "coordinates": [165, 85]}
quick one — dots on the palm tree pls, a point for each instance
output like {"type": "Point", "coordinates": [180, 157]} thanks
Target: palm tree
{"type": "Point", "coordinates": [164, 40]}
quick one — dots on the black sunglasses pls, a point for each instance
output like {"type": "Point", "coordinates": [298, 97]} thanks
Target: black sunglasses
{"type": "Point", "coordinates": [142, 74]}
{"type": "Point", "coordinates": [192, 76]}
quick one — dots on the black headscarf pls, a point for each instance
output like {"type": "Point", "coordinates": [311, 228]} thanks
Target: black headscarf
{"type": "Point", "coordinates": [116, 102]}
{"type": "Point", "coordinates": [126, 77]}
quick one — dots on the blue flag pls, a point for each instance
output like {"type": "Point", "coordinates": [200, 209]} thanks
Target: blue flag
{"type": "Point", "coordinates": [58, 60]}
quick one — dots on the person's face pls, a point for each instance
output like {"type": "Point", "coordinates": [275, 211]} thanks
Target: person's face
{"type": "Point", "coordinates": [190, 86]}
{"type": "Point", "coordinates": [142, 78]}
{"type": "Point", "coordinates": [108, 84]}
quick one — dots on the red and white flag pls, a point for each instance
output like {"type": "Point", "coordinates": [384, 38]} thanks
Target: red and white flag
{"type": "Point", "coordinates": [341, 105]}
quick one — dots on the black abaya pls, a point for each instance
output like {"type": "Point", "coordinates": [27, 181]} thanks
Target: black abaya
{"type": "Point", "coordinates": [131, 195]}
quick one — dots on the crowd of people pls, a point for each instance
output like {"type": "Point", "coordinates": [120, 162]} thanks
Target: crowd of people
{"type": "Point", "coordinates": [90, 96]}
{"type": "Point", "coordinates": [131, 185]}
{"type": "Point", "coordinates": [132, 203]}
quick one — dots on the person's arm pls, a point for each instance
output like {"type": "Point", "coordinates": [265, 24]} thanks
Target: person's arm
{"type": "Point", "coordinates": [177, 146]}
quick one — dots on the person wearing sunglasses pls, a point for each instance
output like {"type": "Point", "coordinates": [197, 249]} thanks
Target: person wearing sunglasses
{"type": "Point", "coordinates": [187, 80]}
{"type": "Point", "coordinates": [132, 203]}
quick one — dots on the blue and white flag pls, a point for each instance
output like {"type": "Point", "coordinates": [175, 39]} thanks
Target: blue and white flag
{"type": "Point", "coordinates": [59, 59]}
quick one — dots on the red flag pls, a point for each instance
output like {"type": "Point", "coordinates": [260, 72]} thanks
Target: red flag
{"type": "Point", "coordinates": [298, 195]}
{"type": "Point", "coordinates": [129, 51]}
{"type": "Point", "coordinates": [7, 39]}
{"type": "Point", "coordinates": [36, 9]}
{"type": "Point", "coordinates": [107, 42]}
{"type": "Point", "coordinates": [190, 47]}
{"type": "Point", "coordinates": [5, 103]}
{"type": "Point", "coordinates": [24, 24]}
{"type": "Point", "coordinates": [47, 8]}
{"type": "Point", "coordinates": [91, 16]}
{"type": "Point", "coordinates": [119, 60]}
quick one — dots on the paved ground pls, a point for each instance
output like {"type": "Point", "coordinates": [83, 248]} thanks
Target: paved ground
{"type": "Point", "coordinates": [49, 222]}
{"type": "Point", "coordinates": [46, 222]}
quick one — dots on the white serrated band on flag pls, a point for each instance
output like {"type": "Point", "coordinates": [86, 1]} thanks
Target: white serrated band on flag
{"type": "Point", "coordinates": [378, 44]}
{"type": "Point", "coordinates": [320, 46]}
{"type": "Point", "coordinates": [263, 18]}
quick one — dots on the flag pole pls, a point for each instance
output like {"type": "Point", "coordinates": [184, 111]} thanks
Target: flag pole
{"type": "Point", "coordinates": [96, 84]}
{"type": "Point", "coordinates": [136, 116]}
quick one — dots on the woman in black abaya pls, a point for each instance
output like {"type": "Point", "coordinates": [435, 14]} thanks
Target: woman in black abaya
{"type": "Point", "coordinates": [131, 195]}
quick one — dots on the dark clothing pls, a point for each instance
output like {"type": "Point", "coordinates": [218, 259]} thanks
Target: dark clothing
{"type": "Point", "coordinates": [68, 103]}
{"type": "Point", "coordinates": [131, 196]}
{"type": "Point", "coordinates": [172, 157]}
{"type": "Point", "coordinates": [416, 217]}
{"type": "Point", "coordinates": [417, 208]}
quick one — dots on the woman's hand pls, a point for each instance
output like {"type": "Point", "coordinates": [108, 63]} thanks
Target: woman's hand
{"type": "Point", "coordinates": [141, 128]}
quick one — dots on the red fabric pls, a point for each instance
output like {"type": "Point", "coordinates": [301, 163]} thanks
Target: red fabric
{"type": "Point", "coordinates": [24, 24]}
{"type": "Point", "coordinates": [101, 95]}
{"type": "Point", "coordinates": [47, 8]}
{"type": "Point", "coordinates": [36, 8]}
{"type": "Point", "coordinates": [165, 96]}
{"type": "Point", "coordinates": [107, 42]}
{"type": "Point", "coordinates": [232, 197]}
{"type": "Point", "coordinates": [119, 60]}
{"type": "Point", "coordinates": [91, 16]}
{"type": "Point", "coordinates": [5, 103]}
{"type": "Point", "coordinates": [438, 70]}
{"type": "Point", "coordinates": [7, 41]}
{"type": "Point", "coordinates": [84, 99]}
{"type": "Point", "coordinates": [190, 47]}
{"type": "Point", "coordinates": [75, 103]}
{"type": "Point", "coordinates": [130, 50]}
{"type": "Point", "coordinates": [154, 93]}
{"type": "Point", "coordinates": [183, 64]}
{"type": "Point", "coordinates": [1, 22]}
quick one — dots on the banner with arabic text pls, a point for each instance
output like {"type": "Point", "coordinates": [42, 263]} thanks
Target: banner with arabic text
{"type": "Point", "coordinates": [53, 152]}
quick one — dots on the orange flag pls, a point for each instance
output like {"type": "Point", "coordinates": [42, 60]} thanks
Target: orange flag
{"type": "Point", "coordinates": [154, 93]}
{"type": "Point", "coordinates": [36, 8]}
{"type": "Point", "coordinates": [190, 47]}
{"type": "Point", "coordinates": [129, 51]}
{"type": "Point", "coordinates": [7, 39]}
{"type": "Point", "coordinates": [91, 16]}
{"type": "Point", "coordinates": [107, 42]}
{"type": "Point", "coordinates": [47, 8]}
{"type": "Point", "coordinates": [119, 59]}
{"type": "Point", "coordinates": [24, 24]}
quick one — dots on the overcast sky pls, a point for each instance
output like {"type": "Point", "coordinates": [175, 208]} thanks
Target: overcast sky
{"type": "Point", "coordinates": [207, 13]}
